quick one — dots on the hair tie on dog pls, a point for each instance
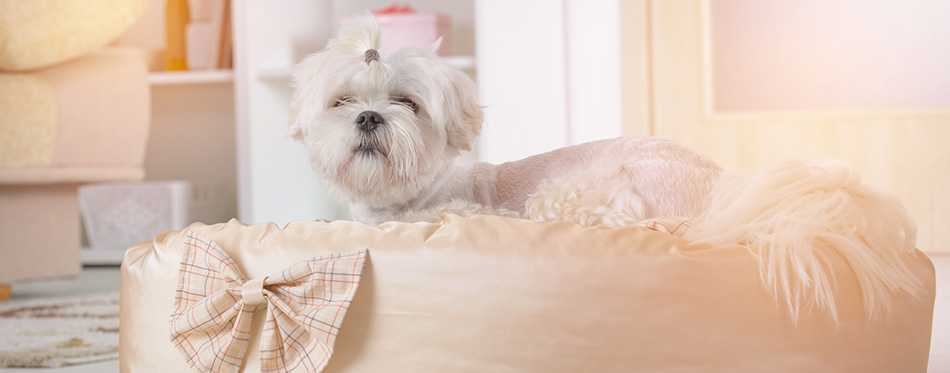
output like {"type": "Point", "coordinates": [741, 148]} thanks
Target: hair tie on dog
{"type": "Point", "coordinates": [371, 55]}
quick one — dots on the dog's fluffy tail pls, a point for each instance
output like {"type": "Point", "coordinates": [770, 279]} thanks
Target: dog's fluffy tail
{"type": "Point", "coordinates": [794, 214]}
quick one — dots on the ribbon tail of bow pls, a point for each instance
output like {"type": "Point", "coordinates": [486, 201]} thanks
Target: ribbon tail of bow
{"type": "Point", "coordinates": [210, 325]}
{"type": "Point", "coordinates": [304, 317]}
{"type": "Point", "coordinates": [213, 341]}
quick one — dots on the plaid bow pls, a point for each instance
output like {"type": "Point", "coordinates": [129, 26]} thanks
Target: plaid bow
{"type": "Point", "coordinates": [214, 306]}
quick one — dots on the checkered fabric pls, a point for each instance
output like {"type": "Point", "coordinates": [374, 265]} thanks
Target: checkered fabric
{"type": "Point", "coordinates": [676, 226]}
{"type": "Point", "coordinates": [305, 305]}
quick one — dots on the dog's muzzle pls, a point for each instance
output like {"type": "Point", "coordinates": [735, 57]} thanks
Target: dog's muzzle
{"type": "Point", "coordinates": [368, 121]}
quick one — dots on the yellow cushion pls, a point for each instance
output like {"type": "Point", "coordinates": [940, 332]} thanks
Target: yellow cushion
{"type": "Point", "coordinates": [27, 121]}
{"type": "Point", "coordinates": [40, 33]}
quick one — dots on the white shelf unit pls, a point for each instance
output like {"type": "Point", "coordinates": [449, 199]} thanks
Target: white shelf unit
{"type": "Point", "coordinates": [190, 77]}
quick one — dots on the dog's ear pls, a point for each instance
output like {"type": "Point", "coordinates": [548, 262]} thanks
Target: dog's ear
{"type": "Point", "coordinates": [296, 131]}
{"type": "Point", "coordinates": [464, 115]}
{"type": "Point", "coordinates": [434, 48]}
{"type": "Point", "coordinates": [303, 84]}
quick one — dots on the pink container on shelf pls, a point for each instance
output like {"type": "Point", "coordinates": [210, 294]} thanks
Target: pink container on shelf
{"type": "Point", "coordinates": [401, 27]}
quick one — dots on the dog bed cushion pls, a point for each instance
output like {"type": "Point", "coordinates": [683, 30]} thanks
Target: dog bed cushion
{"type": "Point", "coordinates": [40, 33]}
{"type": "Point", "coordinates": [485, 294]}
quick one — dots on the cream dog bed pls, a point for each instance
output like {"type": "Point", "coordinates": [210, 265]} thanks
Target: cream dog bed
{"type": "Point", "coordinates": [488, 294]}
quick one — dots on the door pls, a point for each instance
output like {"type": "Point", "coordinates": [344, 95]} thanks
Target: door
{"type": "Point", "coordinates": [748, 82]}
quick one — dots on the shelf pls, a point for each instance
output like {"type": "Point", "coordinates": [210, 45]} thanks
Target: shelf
{"type": "Point", "coordinates": [466, 63]}
{"type": "Point", "coordinates": [190, 77]}
{"type": "Point", "coordinates": [276, 74]}
{"type": "Point", "coordinates": [101, 257]}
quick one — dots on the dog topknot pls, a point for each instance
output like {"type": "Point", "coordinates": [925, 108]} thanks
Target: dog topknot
{"type": "Point", "coordinates": [371, 55]}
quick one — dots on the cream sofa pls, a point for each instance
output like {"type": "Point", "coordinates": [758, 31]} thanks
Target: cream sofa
{"type": "Point", "coordinates": [84, 121]}
{"type": "Point", "coordinates": [70, 113]}
{"type": "Point", "coordinates": [492, 294]}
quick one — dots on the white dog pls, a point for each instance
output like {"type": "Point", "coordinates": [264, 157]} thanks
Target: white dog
{"type": "Point", "coordinates": [383, 132]}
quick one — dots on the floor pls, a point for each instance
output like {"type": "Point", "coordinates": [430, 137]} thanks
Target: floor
{"type": "Point", "coordinates": [94, 279]}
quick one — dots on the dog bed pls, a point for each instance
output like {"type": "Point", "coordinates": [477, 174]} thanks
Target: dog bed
{"type": "Point", "coordinates": [487, 294]}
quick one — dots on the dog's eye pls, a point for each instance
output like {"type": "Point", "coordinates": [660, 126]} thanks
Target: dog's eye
{"type": "Point", "coordinates": [404, 101]}
{"type": "Point", "coordinates": [342, 100]}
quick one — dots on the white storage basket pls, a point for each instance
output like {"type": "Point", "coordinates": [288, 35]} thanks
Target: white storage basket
{"type": "Point", "coordinates": [118, 215]}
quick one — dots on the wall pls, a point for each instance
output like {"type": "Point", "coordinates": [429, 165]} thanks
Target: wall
{"type": "Point", "coordinates": [831, 55]}
{"type": "Point", "coordinates": [549, 74]}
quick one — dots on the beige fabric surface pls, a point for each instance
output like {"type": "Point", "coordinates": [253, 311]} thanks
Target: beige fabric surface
{"type": "Point", "coordinates": [489, 294]}
{"type": "Point", "coordinates": [39, 33]}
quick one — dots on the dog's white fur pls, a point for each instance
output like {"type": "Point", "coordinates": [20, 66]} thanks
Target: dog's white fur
{"type": "Point", "coordinates": [405, 170]}
{"type": "Point", "coordinates": [793, 214]}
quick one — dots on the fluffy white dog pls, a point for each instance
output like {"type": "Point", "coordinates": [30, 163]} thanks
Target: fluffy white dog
{"type": "Point", "coordinates": [383, 133]}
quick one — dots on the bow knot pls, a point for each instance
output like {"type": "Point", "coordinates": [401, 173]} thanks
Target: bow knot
{"type": "Point", "coordinates": [214, 306]}
{"type": "Point", "coordinates": [252, 293]}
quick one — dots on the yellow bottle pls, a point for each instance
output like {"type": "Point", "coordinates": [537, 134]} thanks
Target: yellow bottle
{"type": "Point", "coordinates": [176, 19]}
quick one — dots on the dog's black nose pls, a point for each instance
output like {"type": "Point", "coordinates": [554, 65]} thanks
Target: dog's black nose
{"type": "Point", "coordinates": [368, 120]}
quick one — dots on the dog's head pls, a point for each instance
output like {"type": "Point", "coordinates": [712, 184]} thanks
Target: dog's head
{"type": "Point", "coordinates": [379, 128]}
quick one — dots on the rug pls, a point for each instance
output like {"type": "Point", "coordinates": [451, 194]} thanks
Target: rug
{"type": "Point", "coordinates": [55, 332]}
